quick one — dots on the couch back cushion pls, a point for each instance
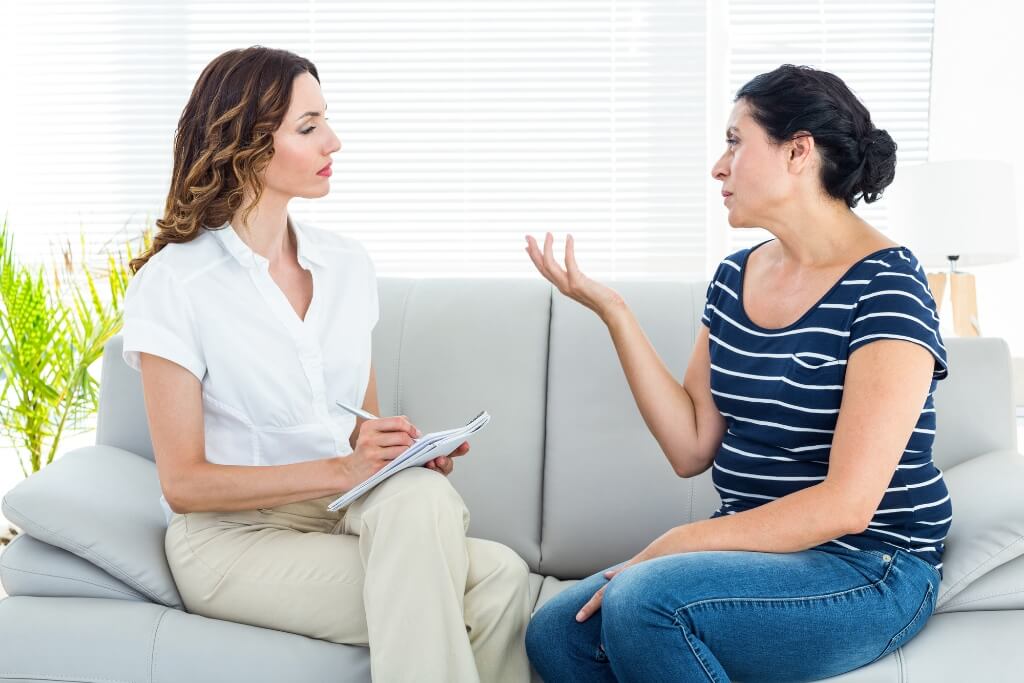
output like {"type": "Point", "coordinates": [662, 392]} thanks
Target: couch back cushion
{"type": "Point", "coordinates": [121, 420]}
{"type": "Point", "coordinates": [608, 490]}
{"type": "Point", "coordinates": [974, 406]}
{"type": "Point", "coordinates": [446, 349]}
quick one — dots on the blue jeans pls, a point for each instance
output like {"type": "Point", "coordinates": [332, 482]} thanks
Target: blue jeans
{"type": "Point", "coordinates": [712, 616]}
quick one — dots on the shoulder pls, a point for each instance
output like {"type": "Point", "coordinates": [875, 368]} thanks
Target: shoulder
{"type": "Point", "coordinates": [183, 261]}
{"type": "Point", "coordinates": [340, 249]}
{"type": "Point", "coordinates": [725, 282]}
{"type": "Point", "coordinates": [894, 269]}
{"type": "Point", "coordinates": [734, 261]}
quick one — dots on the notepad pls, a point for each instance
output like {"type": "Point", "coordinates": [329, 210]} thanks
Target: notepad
{"type": "Point", "coordinates": [422, 451]}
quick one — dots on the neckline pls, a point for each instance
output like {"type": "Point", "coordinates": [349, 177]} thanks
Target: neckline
{"type": "Point", "coordinates": [246, 256]}
{"type": "Point", "coordinates": [814, 307]}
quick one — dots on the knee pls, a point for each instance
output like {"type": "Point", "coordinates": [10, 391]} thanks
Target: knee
{"type": "Point", "coordinates": [421, 488]}
{"type": "Point", "coordinates": [630, 600]}
{"type": "Point", "coordinates": [547, 636]}
{"type": "Point", "coordinates": [505, 581]}
{"type": "Point", "coordinates": [514, 571]}
{"type": "Point", "coordinates": [536, 637]}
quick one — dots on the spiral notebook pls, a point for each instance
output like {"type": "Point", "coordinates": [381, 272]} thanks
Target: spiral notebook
{"type": "Point", "coordinates": [422, 451]}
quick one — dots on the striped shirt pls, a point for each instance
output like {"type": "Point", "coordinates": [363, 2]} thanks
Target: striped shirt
{"type": "Point", "coordinates": [780, 391]}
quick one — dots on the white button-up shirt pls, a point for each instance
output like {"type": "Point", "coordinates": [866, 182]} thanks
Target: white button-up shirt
{"type": "Point", "coordinates": [269, 378]}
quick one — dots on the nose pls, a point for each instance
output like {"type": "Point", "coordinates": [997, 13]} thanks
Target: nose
{"type": "Point", "coordinates": [333, 144]}
{"type": "Point", "coordinates": [720, 171]}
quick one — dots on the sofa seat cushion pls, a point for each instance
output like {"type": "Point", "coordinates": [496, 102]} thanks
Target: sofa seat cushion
{"type": "Point", "coordinates": [120, 641]}
{"type": "Point", "coordinates": [31, 567]}
{"type": "Point", "coordinates": [101, 504]}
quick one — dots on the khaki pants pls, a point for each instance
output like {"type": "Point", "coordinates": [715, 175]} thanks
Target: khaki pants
{"type": "Point", "coordinates": [394, 570]}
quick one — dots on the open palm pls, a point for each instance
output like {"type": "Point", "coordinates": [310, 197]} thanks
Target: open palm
{"type": "Point", "coordinates": [570, 280]}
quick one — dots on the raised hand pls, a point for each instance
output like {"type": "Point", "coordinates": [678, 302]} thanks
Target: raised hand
{"type": "Point", "coordinates": [570, 280]}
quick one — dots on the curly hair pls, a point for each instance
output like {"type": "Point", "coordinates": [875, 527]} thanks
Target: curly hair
{"type": "Point", "coordinates": [224, 141]}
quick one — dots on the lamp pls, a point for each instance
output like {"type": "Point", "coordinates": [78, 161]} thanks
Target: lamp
{"type": "Point", "coordinates": [956, 213]}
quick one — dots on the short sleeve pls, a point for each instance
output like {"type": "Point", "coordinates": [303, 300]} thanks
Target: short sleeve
{"type": "Point", "coordinates": [710, 297]}
{"type": "Point", "coordinates": [897, 304]}
{"type": "Point", "coordinates": [158, 320]}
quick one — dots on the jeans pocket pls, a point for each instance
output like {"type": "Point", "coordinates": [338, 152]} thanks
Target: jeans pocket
{"type": "Point", "coordinates": [913, 627]}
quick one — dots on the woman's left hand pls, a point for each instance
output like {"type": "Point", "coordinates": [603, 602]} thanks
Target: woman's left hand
{"type": "Point", "coordinates": [445, 464]}
{"type": "Point", "coordinates": [666, 544]}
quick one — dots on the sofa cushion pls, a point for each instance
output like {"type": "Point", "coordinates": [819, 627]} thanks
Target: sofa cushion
{"type": "Point", "coordinates": [974, 405]}
{"type": "Point", "coordinates": [443, 351]}
{"type": "Point", "coordinates": [31, 567]}
{"type": "Point", "coordinates": [608, 488]}
{"type": "Point", "coordinates": [999, 589]}
{"type": "Point", "coordinates": [116, 641]}
{"type": "Point", "coordinates": [966, 646]}
{"type": "Point", "coordinates": [988, 519]}
{"type": "Point", "coordinates": [101, 504]}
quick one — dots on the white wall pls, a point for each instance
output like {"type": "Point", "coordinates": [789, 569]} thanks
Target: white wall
{"type": "Point", "coordinates": [977, 100]}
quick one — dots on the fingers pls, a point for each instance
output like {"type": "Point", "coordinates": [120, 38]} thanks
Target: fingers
{"type": "Point", "coordinates": [385, 439]}
{"type": "Point", "coordinates": [571, 267]}
{"type": "Point", "coordinates": [592, 606]}
{"type": "Point", "coordinates": [558, 276]}
{"type": "Point", "coordinates": [534, 253]}
{"type": "Point", "coordinates": [386, 455]}
{"type": "Point", "coordinates": [399, 423]}
{"type": "Point", "coordinates": [443, 464]}
{"type": "Point", "coordinates": [545, 261]}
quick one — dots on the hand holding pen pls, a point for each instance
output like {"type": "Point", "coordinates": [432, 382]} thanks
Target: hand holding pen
{"type": "Point", "coordinates": [384, 439]}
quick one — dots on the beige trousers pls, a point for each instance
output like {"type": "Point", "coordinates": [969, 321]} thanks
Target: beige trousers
{"type": "Point", "coordinates": [394, 570]}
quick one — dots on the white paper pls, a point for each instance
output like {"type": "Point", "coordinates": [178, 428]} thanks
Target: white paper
{"type": "Point", "coordinates": [422, 451]}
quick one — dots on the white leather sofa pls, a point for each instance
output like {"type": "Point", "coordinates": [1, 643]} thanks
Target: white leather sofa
{"type": "Point", "coordinates": [92, 598]}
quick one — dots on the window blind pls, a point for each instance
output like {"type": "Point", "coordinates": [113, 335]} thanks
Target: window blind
{"type": "Point", "coordinates": [464, 124]}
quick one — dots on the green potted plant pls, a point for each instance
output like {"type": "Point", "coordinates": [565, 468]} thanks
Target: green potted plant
{"type": "Point", "coordinates": [52, 330]}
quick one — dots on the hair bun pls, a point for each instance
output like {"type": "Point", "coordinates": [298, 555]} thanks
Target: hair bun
{"type": "Point", "coordinates": [878, 164]}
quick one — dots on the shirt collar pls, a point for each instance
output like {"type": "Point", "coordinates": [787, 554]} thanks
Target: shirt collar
{"type": "Point", "coordinates": [233, 244]}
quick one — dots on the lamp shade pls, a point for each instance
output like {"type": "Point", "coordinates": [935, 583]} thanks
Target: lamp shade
{"type": "Point", "coordinates": [955, 208]}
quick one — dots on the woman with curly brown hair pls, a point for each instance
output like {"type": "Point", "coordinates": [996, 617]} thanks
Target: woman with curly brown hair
{"type": "Point", "coordinates": [246, 326]}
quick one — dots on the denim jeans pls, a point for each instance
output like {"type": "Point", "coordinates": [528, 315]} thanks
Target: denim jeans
{"type": "Point", "coordinates": [717, 616]}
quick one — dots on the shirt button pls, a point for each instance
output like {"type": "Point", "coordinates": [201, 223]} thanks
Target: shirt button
{"type": "Point", "coordinates": [886, 558]}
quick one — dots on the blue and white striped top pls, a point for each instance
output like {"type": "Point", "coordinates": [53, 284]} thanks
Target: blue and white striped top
{"type": "Point", "coordinates": [780, 391]}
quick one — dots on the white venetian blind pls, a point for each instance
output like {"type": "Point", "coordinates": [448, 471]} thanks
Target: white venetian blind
{"type": "Point", "coordinates": [882, 50]}
{"type": "Point", "coordinates": [464, 124]}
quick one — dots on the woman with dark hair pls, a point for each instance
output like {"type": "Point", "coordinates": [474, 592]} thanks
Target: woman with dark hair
{"type": "Point", "coordinates": [247, 326]}
{"type": "Point", "coordinates": [809, 394]}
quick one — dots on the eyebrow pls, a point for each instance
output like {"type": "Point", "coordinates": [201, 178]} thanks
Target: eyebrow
{"type": "Point", "coordinates": [732, 129]}
{"type": "Point", "coordinates": [310, 113]}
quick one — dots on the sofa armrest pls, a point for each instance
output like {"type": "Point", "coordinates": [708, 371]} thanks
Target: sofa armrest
{"type": "Point", "coordinates": [101, 504]}
{"type": "Point", "coordinates": [988, 519]}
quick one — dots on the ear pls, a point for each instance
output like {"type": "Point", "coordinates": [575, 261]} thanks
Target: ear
{"type": "Point", "coordinates": [800, 151]}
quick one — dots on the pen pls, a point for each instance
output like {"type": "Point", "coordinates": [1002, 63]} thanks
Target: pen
{"type": "Point", "coordinates": [358, 412]}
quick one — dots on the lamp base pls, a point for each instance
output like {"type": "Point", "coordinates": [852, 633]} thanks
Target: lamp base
{"type": "Point", "coordinates": [964, 297]}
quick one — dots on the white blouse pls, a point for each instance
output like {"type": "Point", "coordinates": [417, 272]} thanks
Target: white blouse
{"type": "Point", "coordinates": [269, 379]}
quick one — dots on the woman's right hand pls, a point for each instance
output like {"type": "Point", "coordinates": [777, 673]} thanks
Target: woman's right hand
{"type": "Point", "coordinates": [378, 443]}
{"type": "Point", "coordinates": [570, 281]}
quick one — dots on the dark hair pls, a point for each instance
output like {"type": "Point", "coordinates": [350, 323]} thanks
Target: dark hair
{"type": "Point", "coordinates": [857, 159]}
{"type": "Point", "coordinates": [224, 140]}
